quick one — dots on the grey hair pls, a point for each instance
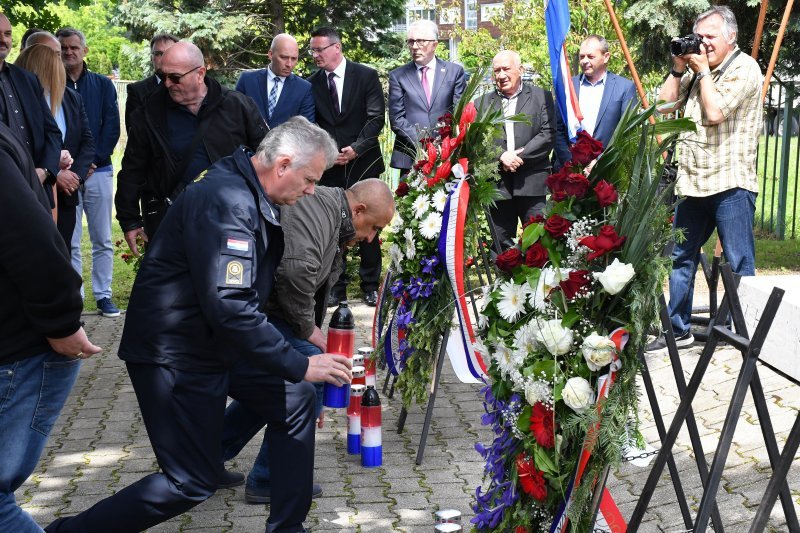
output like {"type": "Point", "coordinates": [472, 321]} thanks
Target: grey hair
{"type": "Point", "coordinates": [299, 139]}
{"type": "Point", "coordinates": [71, 32]}
{"type": "Point", "coordinates": [39, 38]}
{"type": "Point", "coordinates": [729, 27]}
{"type": "Point", "coordinates": [600, 40]}
{"type": "Point", "coordinates": [428, 25]}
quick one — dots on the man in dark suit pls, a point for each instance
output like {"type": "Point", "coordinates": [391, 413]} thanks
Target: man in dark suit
{"type": "Point", "coordinates": [24, 110]}
{"type": "Point", "coordinates": [138, 91]}
{"type": "Point", "coordinates": [279, 94]}
{"type": "Point", "coordinates": [349, 104]}
{"type": "Point", "coordinates": [420, 92]}
{"type": "Point", "coordinates": [525, 160]}
{"type": "Point", "coordinates": [603, 96]}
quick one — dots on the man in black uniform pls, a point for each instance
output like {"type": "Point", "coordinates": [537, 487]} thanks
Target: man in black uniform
{"type": "Point", "coordinates": [195, 333]}
{"type": "Point", "coordinates": [137, 92]}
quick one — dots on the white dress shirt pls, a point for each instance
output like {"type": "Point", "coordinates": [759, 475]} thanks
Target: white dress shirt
{"type": "Point", "coordinates": [338, 79]}
{"type": "Point", "coordinates": [589, 99]}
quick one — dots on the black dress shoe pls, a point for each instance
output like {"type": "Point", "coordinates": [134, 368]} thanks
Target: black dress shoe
{"type": "Point", "coordinates": [334, 299]}
{"type": "Point", "coordinates": [371, 298]}
{"type": "Point", "coordinates": [231, 479]}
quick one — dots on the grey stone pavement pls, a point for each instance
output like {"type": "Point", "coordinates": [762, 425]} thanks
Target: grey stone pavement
{"type": "Point", "coordinates": [100, 445]}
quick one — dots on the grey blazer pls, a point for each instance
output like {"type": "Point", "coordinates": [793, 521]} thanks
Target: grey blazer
{"type": "Point", "coordinates": [409, 109]}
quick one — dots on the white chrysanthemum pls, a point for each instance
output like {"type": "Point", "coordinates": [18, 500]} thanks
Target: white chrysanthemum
{"type": "Point", "coordinates": [430, 227]}
{"type": "Point", "coordinates": [537, 390]}
{"type": "Point", "coordinates": [548, 280]}
{"type": "Point", "coordinates": [525, 338]}
{"type": "Point", "coordinates": [396, 254]}
{"type": "Point", "coordinates": [504, 358]}
{"type": "Point", "coordinates": [411, 250]}
{"type": "Point", "coordinates": [419, 183]}
{"type": "Point", "coordinates": [483, 321]}
{"type": "Point", "coordinates": [439, 200]}
{"type": "Point", "coordinates": [421, 205]}
{"type": "Point", "coordinates": [397, 223]}
{"type": "Point", "coordinates": [555, 337]}
{"type": "Point", "coordinates": [512, 300]}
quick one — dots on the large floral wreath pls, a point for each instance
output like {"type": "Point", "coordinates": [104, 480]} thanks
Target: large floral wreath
{"type": "Point", "coordinates": [583, 279]}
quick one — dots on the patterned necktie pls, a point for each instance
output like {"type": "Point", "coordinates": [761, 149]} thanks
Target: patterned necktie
{"type": "Point", "coordinates": [334, 92]}
{"type": "Point", "coordinates": [425, 85]}
{"type": "Point", "coordinates": [273, 96]}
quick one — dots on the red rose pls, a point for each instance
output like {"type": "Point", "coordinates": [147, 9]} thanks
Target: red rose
{"type": "Point", "coordinates": [446, 119]}
{"type": "Point", "coordinates": [402, 189]}
{"type": "Point", "coordinates": [606, 241]}
{"type": "Point", "coordinates": [606, 193]}
{"type": "Point", "coordinates": [554, 181]}
{"type": "Point", "coordinates": [531, 479]}
{"type": "Point", "coordinates": [586, 149]}
{"type": "Point", "coordinates": [557, 226]}
{"type": "Point", "coordinates": [531, 220]}
{"type": "Point", "coordinates": [521, 529]}
{"type": "Point", "coordinates": [509, 260]}
{"type": "Point", "coordinates": [542, 425]}
{"type": "Point", "coordinates": [577, 280]}
{"type": "Point", "coordinates": [575, 185]}
{"type": "Point", "coordinates": [536, 256]}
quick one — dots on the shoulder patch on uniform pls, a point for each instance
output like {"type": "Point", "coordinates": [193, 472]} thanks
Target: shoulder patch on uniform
{"type": "Point", "coordinates": [200, 176]}
{"type": "Point", "coordinates": [238, 244]}
{"type": "Point", "coordinates": [234, 271]}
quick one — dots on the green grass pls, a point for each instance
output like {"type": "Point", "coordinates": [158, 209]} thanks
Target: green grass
{"type": "Point", "coordinates": [772, 256]}
{"type": "Point", "coordinates": [123, 273]}
{"type": "Point", "coordinates": [768, 169]}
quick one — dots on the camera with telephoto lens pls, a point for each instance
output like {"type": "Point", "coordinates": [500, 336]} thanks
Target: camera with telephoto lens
{"type": "Point", "coordinates": [686, 45]}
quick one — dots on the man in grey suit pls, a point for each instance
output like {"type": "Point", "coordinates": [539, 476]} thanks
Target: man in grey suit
{"type": "Point", "coordinates": [420, 92]}
{"type": "Point", "coordinates": [603, 96]}
{"type": "Point", "coordinates": [525, 159]}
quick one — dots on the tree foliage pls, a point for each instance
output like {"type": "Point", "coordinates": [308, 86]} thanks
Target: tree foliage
{"type": "Point", "coordinates": [36, 13]}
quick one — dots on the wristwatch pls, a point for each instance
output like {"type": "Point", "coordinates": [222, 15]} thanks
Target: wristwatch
{"type": "Point", "coordinates": [676, 74]}
{"type": "Point", "coordinates": [701, 75]}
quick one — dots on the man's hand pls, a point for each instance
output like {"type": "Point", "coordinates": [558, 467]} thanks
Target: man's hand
{"type": "Point", "coordinates": [67, 181]}
{"type": "Point", "coordinates": [132, 237]}
{"type": "Point", "coordinates": [91, 170]}
{"type": "Point", "coordinates": [41, 174]}
{"type": "Point", "coordinates": [698, 62]}
{"type": "Point", "coordinates": [511, 160]}
{"type": "Point", "coordinates": [318, 339]}
{"type": "Point", "coordinates": [321, 419]}
{"type": "Point", "coordinates": [346, 155]}
{"type": "Point", "coordinates": [66, 160]}
{"type": "Point", "coordinates": [76, 346]}
{"type": "Point", "coordinates": [329, 367]}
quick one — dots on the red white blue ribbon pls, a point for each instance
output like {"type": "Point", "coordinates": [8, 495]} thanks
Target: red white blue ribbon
{"type": "Point", "coordinates": [609, 517]}
{"type": "Point", "coordinates": [467, 363]}
{"type": "Point", "coordinates": [391, 347]}
{"type": "Point", "coordinates": [378, 318]}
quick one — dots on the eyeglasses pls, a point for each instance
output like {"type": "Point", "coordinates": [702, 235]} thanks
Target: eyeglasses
{"type": "Point", "coordinates": [312, 51]}
{"type": "Point", "coordinates": [176, 78]}
{"type": "Point", "coordinates": [419, 42]}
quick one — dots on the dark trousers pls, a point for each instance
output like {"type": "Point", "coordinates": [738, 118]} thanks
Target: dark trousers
{"type": "Point", "coordinates": [183, 413]}
{"type": "Point", "coordinates": [507, 214]}
{"type": "Point", "coordinates": [66, 223]}
{"type": "Point", "coordinates": [369, 270]}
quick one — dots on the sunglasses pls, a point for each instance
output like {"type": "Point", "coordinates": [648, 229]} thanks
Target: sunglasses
{"type": "Point", "coordinates": [175, 78]}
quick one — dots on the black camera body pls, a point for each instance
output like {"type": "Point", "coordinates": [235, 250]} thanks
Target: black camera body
{"type": "Point", "coordinates": [686, 45]}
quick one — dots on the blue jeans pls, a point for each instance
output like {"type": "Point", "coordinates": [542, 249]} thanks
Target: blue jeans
{"type": "Point", "coordinates": [242, 424]}
{"type": "Point", "coordinates": [96, 201]}
{"type": "Point", "coordinates": [731, 212]}
{"type": "Point", "coordinates": [32, 393]}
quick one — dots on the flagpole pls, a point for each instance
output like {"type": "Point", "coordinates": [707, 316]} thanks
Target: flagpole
{"type": "Point", "coordinates": [628, 58]}
{"type": "Point", "coordinates": [777, 48]}
{"type": "Point", "coordinates": [762, 15]}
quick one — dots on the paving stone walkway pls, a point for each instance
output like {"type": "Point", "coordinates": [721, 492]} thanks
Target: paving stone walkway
{"type": "Point", "coordinates": [100, 445]}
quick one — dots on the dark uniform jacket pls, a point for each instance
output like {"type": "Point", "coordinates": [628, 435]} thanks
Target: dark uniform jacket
{"type": "Point", "coordinates": [315, 229]}
{"type": "Point", "coordinates": [196, 303]}
{"type": "Point", "coordinates": [148, 166]}
{"type": "Point", "coordinates": [100, 101]}
{"type": "Point", "coordinates": [137, 94]}
{"type": "Point", "coordinates": [41, 290]}
{"type": "Point", "coordinates": [78, 140]}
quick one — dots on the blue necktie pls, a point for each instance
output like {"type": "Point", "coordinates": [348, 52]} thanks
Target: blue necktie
{"type": "Point", "coordinates": [273, 96]}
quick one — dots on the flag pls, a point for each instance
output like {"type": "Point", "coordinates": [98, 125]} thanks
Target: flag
{"type": "Point", "coordinates": [556, 21]}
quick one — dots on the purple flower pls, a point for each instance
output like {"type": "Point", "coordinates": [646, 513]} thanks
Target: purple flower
{"type": "Point", "coordinates": [426, 289]}
{"type": "Point", "coordinates": [429, 264]}
{"type": "Point", "coordinates": [404, 318]}
{"type": "Point", "coordinates": [397, 288]}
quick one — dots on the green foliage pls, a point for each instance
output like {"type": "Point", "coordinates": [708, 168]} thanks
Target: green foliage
{"type": "Point", "coordinates": [36, 13]}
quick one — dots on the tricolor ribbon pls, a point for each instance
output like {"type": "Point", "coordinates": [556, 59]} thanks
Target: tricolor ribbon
{"type": "Point", "coordinates": [378, 318]}
{"type": "Point", "coordinates": [391, 347]}
{"type": "Point", "coordinates": [467, 363]}
{"type": "Point", "coordinates": [609, 516]}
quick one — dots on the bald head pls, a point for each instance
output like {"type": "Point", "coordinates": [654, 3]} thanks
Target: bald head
{"type": "Point", "coordinates": [5, 38]}
{"type": "Point", "coordinates": [184, 54]}
{"type": "Point", "coordinates": [283, 55]}
{"type": "Point", "coordinates": [45, 38]}
{"type": "Point", "coordinates": [184, 72]}
{"type": "Point", "coordinates": [372, 207]}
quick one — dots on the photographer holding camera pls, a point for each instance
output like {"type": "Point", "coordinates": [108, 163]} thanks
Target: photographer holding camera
{"type": "Point", "coordinates": [719, 88]}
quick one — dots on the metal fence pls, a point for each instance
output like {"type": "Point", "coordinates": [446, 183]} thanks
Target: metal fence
{"type": "Point", "coordinates": [778, 162]}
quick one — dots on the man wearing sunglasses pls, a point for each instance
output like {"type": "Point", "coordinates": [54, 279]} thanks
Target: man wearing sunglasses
{"type": "Point", "coordinates": [420, 92]}
{"type": "Point", "coordinates": [138, 91]}
{"type": "Point", "coordinates": [185, 125]}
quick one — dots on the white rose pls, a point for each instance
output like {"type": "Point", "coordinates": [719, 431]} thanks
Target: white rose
{"type": "Point", "coordinates": [555, 337]}
{"type": "Point", "coordinates": [577, 394]}
{"type": "Point", "coordinates": [598, 350]}
{"type": "Point", "coordinates": [615, 276]}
